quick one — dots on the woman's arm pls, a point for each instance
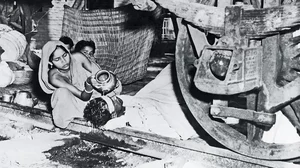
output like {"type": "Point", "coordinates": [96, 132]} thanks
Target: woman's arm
{"type": "Point", "coordinates": [60, 82]}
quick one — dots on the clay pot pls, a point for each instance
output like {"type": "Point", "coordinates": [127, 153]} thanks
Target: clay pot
{"type": "Point", "coordinates": [8, 98]}
{"type": "Point", "coordinates": [106, 80]}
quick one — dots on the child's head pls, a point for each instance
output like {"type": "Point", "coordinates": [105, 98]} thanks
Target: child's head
{"type": "Point", "coordinates": [101, 109]}
{"type": "Point", "coordinates": [86, 47]}
{"type": "Point", "coordinates": [67, 41]}
{"type": "Point", "coordinates": [97, 112]}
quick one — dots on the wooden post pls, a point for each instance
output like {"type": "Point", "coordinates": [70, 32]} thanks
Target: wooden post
{"type": "Point", "coordinates": [256, 3]}
{"type": "Point", "coordinates": [270, 52]}
{"type": "Point", "coordinates": [79, 4]}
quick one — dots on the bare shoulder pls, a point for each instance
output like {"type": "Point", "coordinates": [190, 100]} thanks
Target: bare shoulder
{"type": "Point", "coordinates": [53, 74]}
{"type": "Point", "coordinates": [57, 79]}
{"type": "Point", "coordinates": [79, 56]}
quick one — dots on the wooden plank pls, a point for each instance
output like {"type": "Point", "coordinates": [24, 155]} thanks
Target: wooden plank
{"type": "Point", "coordinates": [206, 17]}
{"type": "Point", "coordinates": [256, 23]}
{"type": "Point", "coordinates": [39, 118]}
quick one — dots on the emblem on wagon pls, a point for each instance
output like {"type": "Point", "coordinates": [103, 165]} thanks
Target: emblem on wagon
{"type": "Point", "coordinates": [228, 70]}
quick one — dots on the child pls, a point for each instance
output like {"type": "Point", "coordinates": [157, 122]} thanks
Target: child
{"type": "Point", "coordinates": [87, 48]}
{"type": "Point", "coordinates": [67, 41]}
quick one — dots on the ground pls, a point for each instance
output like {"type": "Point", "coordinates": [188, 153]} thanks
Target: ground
{"type": "Point", "coordinates": [22, 145]}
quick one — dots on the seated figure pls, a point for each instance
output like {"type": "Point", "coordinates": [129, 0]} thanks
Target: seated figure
{"type": "Point", "coordinates": [68, 78]}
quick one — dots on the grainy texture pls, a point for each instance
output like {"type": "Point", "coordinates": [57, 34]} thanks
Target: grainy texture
{"type": "Point", "coordinates": [49, 22]}
{"type": "Point", "coordinates": [123, 41]}
{"type": "Point", "coordinates": [255, 22]}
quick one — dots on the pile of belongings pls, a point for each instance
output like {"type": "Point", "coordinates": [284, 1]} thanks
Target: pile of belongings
{"type": "Point", "coordinates": [12, 47]}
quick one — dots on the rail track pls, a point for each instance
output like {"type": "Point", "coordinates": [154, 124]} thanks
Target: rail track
{"type": "Point", "coordinates": [142, 143]}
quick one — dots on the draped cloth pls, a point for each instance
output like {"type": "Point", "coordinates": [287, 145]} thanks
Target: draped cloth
{"type": "Point", "coordinates": [282, 132]}
{"type": "Point", "coordinates": [65, 105]}
{"type": "Point", "coordinates": [158, 108]}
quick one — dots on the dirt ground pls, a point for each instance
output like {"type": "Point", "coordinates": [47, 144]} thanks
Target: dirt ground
{"type": "Point", "coordinates": [22, 146]}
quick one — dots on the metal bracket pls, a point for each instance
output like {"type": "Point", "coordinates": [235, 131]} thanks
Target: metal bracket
{"type": "Point", "coordinates": [261, 118]}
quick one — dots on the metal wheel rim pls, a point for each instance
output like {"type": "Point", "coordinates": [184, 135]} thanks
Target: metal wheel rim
{"type": "Point", "coordinates": [221, 132]}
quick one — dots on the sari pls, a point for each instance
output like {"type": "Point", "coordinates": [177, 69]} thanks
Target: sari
{"type": "Point", "coordinates": [65, 106]}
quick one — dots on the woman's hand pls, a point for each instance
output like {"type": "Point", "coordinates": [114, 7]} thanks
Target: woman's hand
{"type": "Point", "coordinates": [143, 5]}
{"type": "Point", "coordinates": [88, 84]}
{"type": "Point", "coordinates": [92, 80]}
{"type": "Point", "coordinates": [88, 90]}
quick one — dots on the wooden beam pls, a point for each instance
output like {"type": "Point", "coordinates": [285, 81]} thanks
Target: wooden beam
{"type": "Point", "coordinates": [256, 23]}
{"type": "Point", "coordinates": [207, 17]}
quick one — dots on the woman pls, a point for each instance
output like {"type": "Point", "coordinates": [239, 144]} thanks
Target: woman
{"type": "Point", "coordinates": [87, 48]}
{"type": "Point", "coordinates": [68, 78]}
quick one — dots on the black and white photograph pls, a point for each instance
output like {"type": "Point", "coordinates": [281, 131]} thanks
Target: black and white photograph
{"type": "Point", "coordinates": [149, 83]}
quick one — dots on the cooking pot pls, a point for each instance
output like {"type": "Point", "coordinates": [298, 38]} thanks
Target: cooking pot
{"type": "Point", "coordinates": [106, 81]}
{"type": "Point", "coordinates": [24, 98]}
{"type": "Point", "coordinates": [7, 98]}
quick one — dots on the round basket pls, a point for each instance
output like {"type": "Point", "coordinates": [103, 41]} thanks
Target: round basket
{"type": "Point", "coordinates": [14, 44]}
{"type": "Point", "coordinates": [5, 28]}
{"type": "Point", "coordinates": [23, 77]}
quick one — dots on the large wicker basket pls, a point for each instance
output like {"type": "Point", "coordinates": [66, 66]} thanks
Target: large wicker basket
{"type": "Point", "coordinates": [23, 77]}
{"type": "Point", "coordinates": [123, 38]}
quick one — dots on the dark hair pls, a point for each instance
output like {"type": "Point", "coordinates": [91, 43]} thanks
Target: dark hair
{"type": "Point", "coordinates": [96, 112]}
{"type": "Point", "coordinates": [83, 43]}
{"type": "Point", "coordinates": [52, 54]}
{"type": "Point", "coordinates": [67, 40]}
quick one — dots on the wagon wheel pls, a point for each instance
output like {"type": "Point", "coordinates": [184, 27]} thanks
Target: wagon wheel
{"type": "Point", "coordinates": [199, 107]}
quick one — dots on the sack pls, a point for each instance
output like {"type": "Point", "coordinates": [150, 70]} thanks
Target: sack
{"type": "Point", "coordinates": [6, 74]}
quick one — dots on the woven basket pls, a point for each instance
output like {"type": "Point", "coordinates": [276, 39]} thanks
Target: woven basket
{"type": "Point", "coordinates": [123, 38]}
{"type": "Point", "coordinates": [23, 77]}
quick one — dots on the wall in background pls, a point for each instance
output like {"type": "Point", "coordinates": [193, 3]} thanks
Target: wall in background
{"type": "Point", "coordinates": [49, 22]}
